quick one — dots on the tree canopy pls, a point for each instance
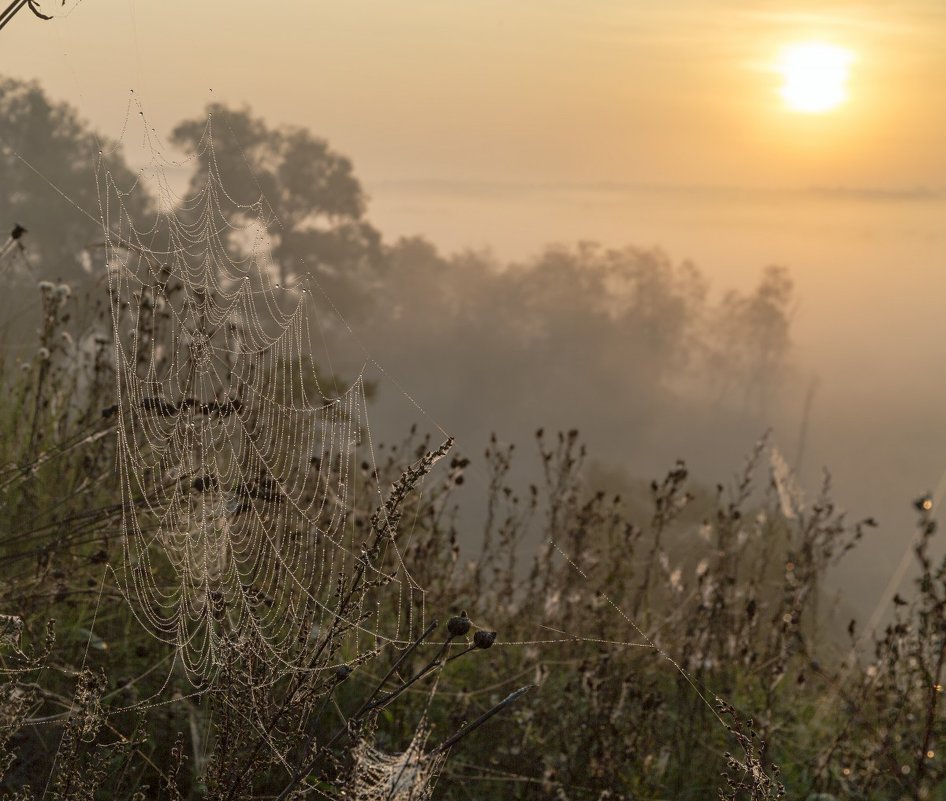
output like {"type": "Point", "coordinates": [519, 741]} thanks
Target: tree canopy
{"type": "Point", "coordinates": [49, 156]}
{"type": "Point", "coordinates": [316, 203]}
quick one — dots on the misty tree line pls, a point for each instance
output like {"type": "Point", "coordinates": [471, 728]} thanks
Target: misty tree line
{"type": "Point", "coordinates": [608, 322]}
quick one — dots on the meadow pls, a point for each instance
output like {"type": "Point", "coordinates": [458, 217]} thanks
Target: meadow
{"type": "Point", "coordinates": [673, 642]}
{"type": "Point", "coordinates": [217, 581]}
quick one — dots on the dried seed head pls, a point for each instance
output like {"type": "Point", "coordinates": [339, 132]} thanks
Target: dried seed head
{"type": "Point", "coordinates": [484, 639]}
{"type": "Point", "coordinates": [458, 626]}
{"type": "Point", "coordinates": [11, 630]}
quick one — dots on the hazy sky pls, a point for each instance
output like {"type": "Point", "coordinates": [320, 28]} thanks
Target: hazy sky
{"type": "Point", "coordinates": [511, 123]}
{"type": "Point", "coordinates": [554, 91]}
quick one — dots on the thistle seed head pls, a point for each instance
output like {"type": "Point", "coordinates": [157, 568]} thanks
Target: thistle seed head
{"type": "Point", "coordinates": [459, 625]}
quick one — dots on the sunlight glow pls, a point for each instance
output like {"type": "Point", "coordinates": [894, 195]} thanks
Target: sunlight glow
{"type": "Point", "coordinates": [815, 76]}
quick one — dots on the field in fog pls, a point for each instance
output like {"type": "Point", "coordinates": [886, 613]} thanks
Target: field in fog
{"type": "Point", "coordinates": [445, 401]}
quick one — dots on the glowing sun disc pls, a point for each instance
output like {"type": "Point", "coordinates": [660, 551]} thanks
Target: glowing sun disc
{"type": "Point", "coordinates": [815, 76]}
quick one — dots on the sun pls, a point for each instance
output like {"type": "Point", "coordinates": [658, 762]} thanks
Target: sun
{"type": "Point", "coordinates": [815, 76]}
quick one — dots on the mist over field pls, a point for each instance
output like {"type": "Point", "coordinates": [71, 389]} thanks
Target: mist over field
{"type": "Point", "coordinates": [642, 316]}
{"type": "Point", "coordinates": [866, 328]}
{"type": "Point", "coordinates": [342, 342]}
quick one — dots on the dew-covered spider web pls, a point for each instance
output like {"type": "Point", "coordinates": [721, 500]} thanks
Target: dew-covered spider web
{"type": "Point", "coordinates": [408, 776]}
{"type": "Point", "coordinates": [245, 474]}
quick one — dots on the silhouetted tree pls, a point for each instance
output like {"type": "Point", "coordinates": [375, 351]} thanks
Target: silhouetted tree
{"type": "Point", "coordinates": [316, 203]}
{"type": "Point", "coordinates": [573, 332]}
{"type": "Point", "coordinates": [48, 164]}
{"type": "Point", "coordinates": [750, 339]}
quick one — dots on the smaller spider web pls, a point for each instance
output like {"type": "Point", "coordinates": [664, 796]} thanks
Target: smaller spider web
{"type": "Point", "coordinates": [407, 776]}
{"type": "Point", "coordinates": [245, 478]}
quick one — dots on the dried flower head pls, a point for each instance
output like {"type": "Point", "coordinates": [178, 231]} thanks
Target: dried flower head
{"type": "Point", "coordinates": [11, 630]}
{"type": "Point", "coordinates": [459, 625]}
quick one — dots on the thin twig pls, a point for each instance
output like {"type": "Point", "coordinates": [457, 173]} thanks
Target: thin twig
{"type": "Point", "coordinates": [508, 700]}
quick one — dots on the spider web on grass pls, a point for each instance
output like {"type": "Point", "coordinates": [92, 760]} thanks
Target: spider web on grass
{"type": "Point", "coordinates": [242, 474]}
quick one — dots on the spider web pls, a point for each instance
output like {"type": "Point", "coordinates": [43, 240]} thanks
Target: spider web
{"type": "Point", "coordinates": [407, 776]}
{"type": "Point", "coordinates": [244, 478]}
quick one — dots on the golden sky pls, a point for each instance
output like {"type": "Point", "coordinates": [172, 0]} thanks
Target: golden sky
{"type": "Point", "coordinates": [513, 123]}
{"type": "Point", "coordinates": [550, 91]}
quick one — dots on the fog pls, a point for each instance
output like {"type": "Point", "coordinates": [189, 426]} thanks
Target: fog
{"type": "Point", "coordinates": [534, 399]}
{"type": "Point", "coordinates": [867, 330]}
{"type": "Point", "coordinates": [539, 134]}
